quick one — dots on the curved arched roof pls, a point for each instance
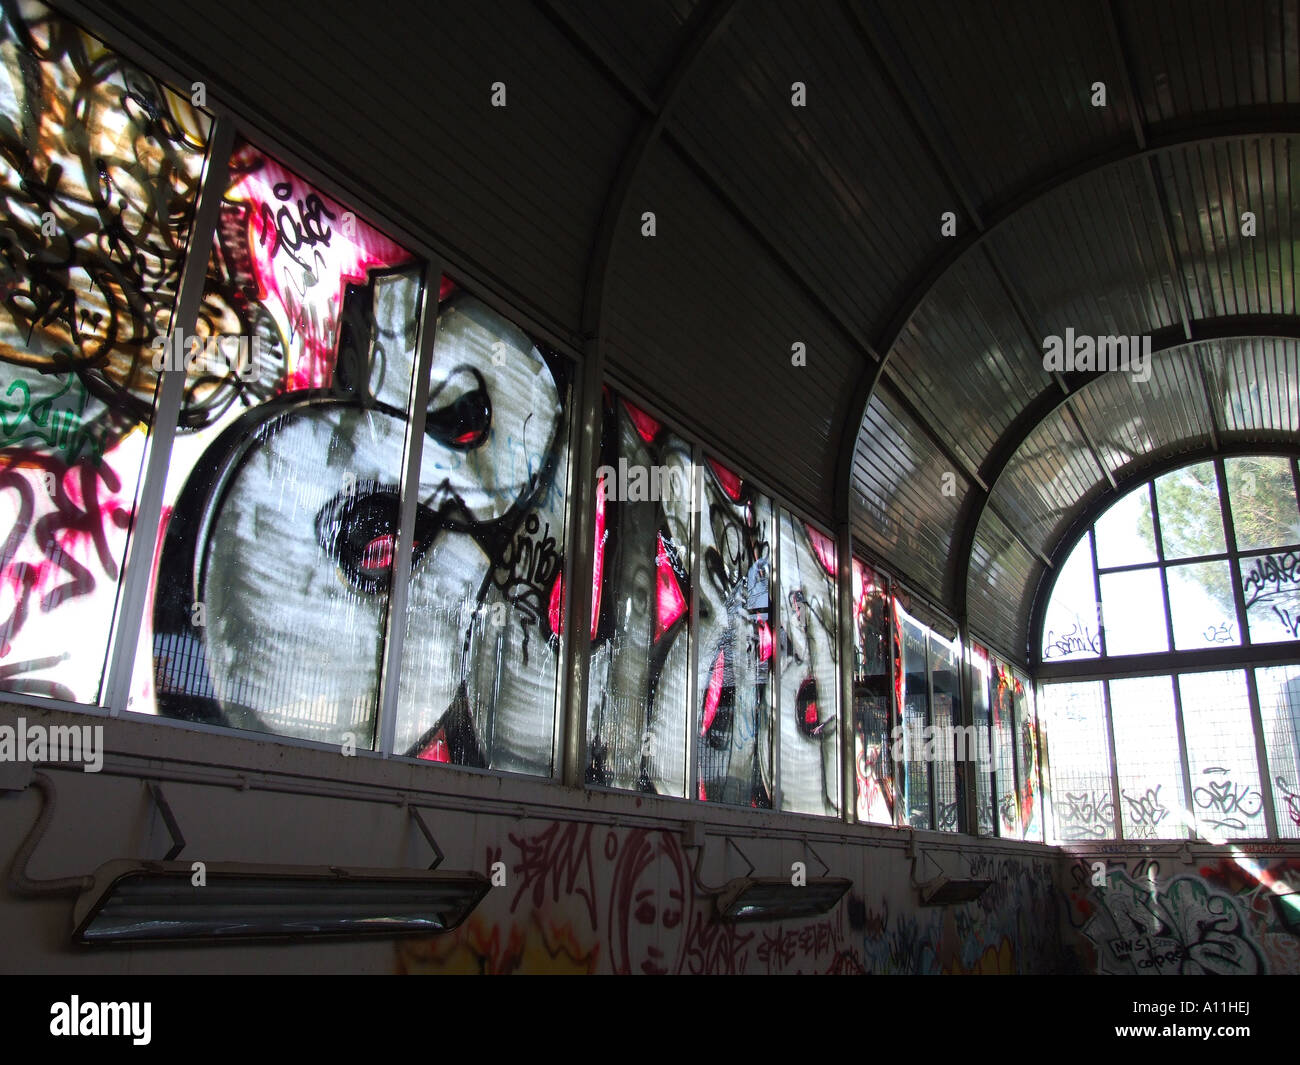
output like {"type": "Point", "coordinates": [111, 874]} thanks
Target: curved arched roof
{"type": "Point", "coordinates": [820, 224]}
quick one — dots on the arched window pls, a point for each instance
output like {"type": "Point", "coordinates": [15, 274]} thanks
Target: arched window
{"type": "Point", "coordinates": [1169, 659]}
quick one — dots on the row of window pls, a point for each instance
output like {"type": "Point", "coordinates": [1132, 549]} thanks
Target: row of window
{"type": "Point", "coordinates": [282, 596]}
{"type": "Point", "coordinates": [913, 739]}
{"type": "Point", "coordinates": [1214, 754]}
{"type": "Point", "coordinates": [1207, 555]}
{"type": "Point", "coordinates": [319, 576]}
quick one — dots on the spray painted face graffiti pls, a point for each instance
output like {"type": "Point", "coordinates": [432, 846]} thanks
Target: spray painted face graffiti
{"type": "Point", "coordinates": [651, 901]}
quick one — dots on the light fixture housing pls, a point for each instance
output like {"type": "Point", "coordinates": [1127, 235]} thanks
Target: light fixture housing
{"type": "Point", "coordinates": [130, 902]}
{"type": "Point", "coordinates": [750, 898]}
{"type": "Point", "coordinates": [945, 891]}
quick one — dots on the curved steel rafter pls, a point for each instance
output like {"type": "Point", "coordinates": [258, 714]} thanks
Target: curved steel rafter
{"type": "Point", "coordinates": [1165, 341]}
{"type": "Point", "coordinates": [707, 24]}
{"type": "Point", "coordinates": [1093, 510]}
{"type": "Point", "coordinates": [1279, 122]}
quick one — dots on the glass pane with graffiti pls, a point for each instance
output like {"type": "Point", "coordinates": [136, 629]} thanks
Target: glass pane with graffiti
{"type": "Point", "coordinates": [873, 724]}
{"type": "Point", "coordinates": [982, 717]}
{"type": "Point", "coordinates": [734, 695]}
{"type": "Point", "coordinates": [99, 173]}
{"type": "Point", "coordinates": [1226, 795]}
{"type": "Point", "coordinates": [950, 737]}
{"type": "Point", "coordinates": [1015, 726]}
{"type": "Point", "coordinates": [481, 658]}
{"type": "Point", "coordinates": [280, 511]}
{"type": "Point", "coordinates": [808, 646]}
{"type": "Point", "coordinates": [1152, 800]}
{"type": "Point", "coordinates": [640, 613]}
{"type": "Point", "coordinates": [1279, 704]}
{"type": "Point", "coordinates": [1074, 716]}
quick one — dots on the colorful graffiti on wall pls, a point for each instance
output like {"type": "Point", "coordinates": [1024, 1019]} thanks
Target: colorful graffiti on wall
{"type": "Point", "coordinates": [1216, 918]}
{"type": "Point", "coordinates": [585, 898]}
{"type": "Point", "coordinates": [99, 173]}
{"type": "Point", "coordinates": [580, 897]}
{"type": "Point", "coordinates": [1011, 928]}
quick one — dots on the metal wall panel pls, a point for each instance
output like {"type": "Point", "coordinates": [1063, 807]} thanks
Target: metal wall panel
{"type": "Point", "coordinates": [843, 184]}
{"type": "Point", "coordinates": [901, 512]}
{"type": "Point", "coordinates": [1128, 419]}
{"type": "Point", "coordinates": [703, 320]}
{"type": "Point", "coordinates": [1003, 576]}
{"type": "Point", "coordinates": [638, 40]}
{"type": "Point", "coordinates": [964, 361]}
{"type": "Point", "coordinates": [1210, 187]}
{"type": "Point", "coordinates": [1045, 480]}
{"type": "Point", "coordinates": [1213, 55]}
{"type": "Point", "coordinates": [1013, 83]}
{"type": "Point", "coordinates": [1091, 256]}
{"type": "Point", "coordinates": [1257, 384]}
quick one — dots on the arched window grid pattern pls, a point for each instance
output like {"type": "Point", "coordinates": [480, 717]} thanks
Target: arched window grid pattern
{"type": "Point", "coordinates": [1179, 720]}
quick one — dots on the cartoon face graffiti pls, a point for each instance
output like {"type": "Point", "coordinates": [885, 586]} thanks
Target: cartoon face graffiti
{"type": "Point", "coordinates": [650, 904]}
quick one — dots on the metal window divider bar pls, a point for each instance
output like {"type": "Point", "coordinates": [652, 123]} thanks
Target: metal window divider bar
{"type": "Point", "coordinates": [690, 776]}
{"type": "Point", "coordinates": [399, 585]}
{"type": "Point", "coordinates": [134, 592]}
{"type": "Point", "coordinates": [848, 661]}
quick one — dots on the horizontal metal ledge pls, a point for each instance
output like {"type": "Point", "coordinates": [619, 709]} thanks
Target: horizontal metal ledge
{"type": "Point", "coordinates": [1210, 658]}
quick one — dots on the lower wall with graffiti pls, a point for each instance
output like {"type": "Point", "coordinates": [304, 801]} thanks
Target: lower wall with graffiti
{"type": "Point", "coordinates": [591, 898]}
{"type": "Point", "coordinates": [1181, 911]}
{"type": "Point", "coordinates": [587, 881]}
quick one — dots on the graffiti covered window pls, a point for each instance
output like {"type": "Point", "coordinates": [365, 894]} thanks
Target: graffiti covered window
{"type": "Point", "coordinates": [1152, 800]}
{"type": "Point", "coordinates": [735, 695]}
{"type": "Point", "coordinates": [1202, 559]}
{"type": "Point", "coordinates": [952, 743]}
{"type": "Point", "coordinates": [873, 718]}
{"type": "Point", "coordinates": [281, 502]}
{"type": "Point", "coordinates": [1279, 701]}
{"type": "Point", "coordinates": [99, 173]}
{"type": "Point", "coordinates": [987, 770]}
{"type": "Point", "coordinates": [1227, 799]}
{"type": "Point", "coordinates": [481, 657]}
{"type": "Point", "coordinates": [1082, 802]}
{"type": "Point", "coordinates": [1014, 718]}
{"type": "Point", "coordinates": [918, 729]}
{"type": "Point", "coordinates": [809, 669]}
{"type": "Point", "coordinates": [1207, 555]}
{"type": "Point", "coordinates": [641, 594]}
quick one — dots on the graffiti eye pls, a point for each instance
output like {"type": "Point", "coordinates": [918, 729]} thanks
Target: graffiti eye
{"type": "Point", "coordinates": [808, 716]}
{"type": "Point", "coordinates": [377, 556]}
{"type": "Point", "coordinates": [358, 530]}
{"type": "Point", "coordinates": [460, 411]}
{"type": "Point", "coordinates": [645, 913]}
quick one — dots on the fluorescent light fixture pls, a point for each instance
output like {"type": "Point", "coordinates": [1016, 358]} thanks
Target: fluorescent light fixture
{"type": "Point", "coordinates": [776, 899]}
{"type": "Point", "coordinates": [944, 891]}
{"type": "Point", "coordinates": [131, 902]}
